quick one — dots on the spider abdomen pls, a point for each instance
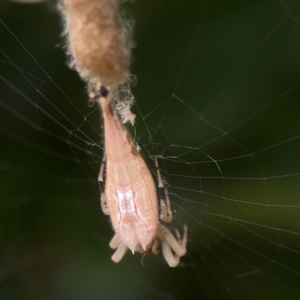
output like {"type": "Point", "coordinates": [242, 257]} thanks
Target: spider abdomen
{"type": "Point", "coordinates": [132, 206]}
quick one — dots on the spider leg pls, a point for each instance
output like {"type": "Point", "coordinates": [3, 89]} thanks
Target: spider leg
{"type": "Point", "coordinates": [101, 186]}
{"type": "Point", "coordinates": [179, 246]}
{"type": "Point", "coordinates": [169, 243]}
{"type": "Point", "coordinates": [178, 236]}
{"type": "Point", "coordinates": [172, 260]}
{"type": "Point", "coordinates": [154, 248]}
{"type": "Point", "coordinates": [165, 204]}
{"type": "Point", "coordinates": [116, 243]}
{"type": "Point", "coordinates": [184, 239]}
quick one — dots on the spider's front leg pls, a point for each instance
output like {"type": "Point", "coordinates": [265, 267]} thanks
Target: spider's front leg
{"type": "Point", "coordinates": [101, 186]}
{"type": "Point", "coordinates": [165, 204]}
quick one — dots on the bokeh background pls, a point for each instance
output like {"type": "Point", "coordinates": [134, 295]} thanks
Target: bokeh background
{"type": "Point", "coordinates": [217, 99]}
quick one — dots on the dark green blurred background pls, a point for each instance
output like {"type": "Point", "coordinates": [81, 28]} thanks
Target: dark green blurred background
{"type": "Point", "coordinates": [217, 98]}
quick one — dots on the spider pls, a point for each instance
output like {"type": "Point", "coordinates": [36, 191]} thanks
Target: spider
{"type": "Point", "coordinates": [130, 196]}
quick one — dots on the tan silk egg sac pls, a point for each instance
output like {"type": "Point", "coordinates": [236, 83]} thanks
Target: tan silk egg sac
{"type": "Point", "coordinates": [96, 39]}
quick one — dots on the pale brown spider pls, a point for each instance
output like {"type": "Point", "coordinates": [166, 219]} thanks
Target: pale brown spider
{"type": "Point", "coordinates": [130, 195]}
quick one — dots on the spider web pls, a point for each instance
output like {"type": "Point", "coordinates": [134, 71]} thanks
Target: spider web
{"type": "Point", "coordinates": [216, 102]}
